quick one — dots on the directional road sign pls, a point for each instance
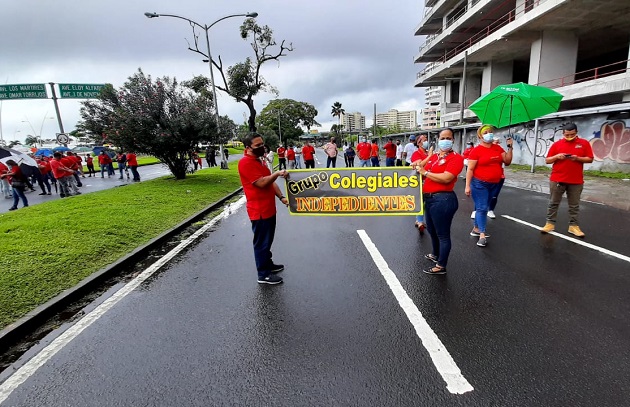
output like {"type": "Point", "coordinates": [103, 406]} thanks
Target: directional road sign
{"type": "Point", "coordinates": [24, 91]}
{"type": "Point", "coordinates": [79, 91]}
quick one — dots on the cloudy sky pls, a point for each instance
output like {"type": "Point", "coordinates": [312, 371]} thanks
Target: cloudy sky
{"type": "Point", "coordinates": [356, 52]}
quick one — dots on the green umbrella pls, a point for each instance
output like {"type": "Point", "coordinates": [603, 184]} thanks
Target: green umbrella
{"type": "Point", "coordinates": [515, 103]}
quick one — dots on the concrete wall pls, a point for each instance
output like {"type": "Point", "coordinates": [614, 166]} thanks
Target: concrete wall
{"type": "Point", "coordinates": [495, 74]}
{"type": "Point", "coordinates": [552, 56]}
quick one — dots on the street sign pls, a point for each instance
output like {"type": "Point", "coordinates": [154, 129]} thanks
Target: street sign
{"type": "Point", "coordinates": [62, 138]}
{"type": "Point", "coordinates": [79, 91]}
{"type": "Point", "coordinates": [24, 91]}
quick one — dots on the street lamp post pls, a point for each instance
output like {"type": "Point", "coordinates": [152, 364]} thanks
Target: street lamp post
{"type": "Point", "coordinates": [206, 28]}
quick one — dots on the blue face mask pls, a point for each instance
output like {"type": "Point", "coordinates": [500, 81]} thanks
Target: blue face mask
{"type": "Point", "coordinates": [488, 137]}
{"type": "Point", "coordinates": [425, 145]}
{"type": "Point", "coordinates": [445, 145]}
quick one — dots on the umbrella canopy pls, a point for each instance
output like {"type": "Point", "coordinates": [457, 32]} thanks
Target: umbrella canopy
{"type": "Point", "coordinates": [44, 151]}
{"type": "Point", "coordinates": [27, 164]}
{"type": "Point", "coordinates": [61, 149]}
{"type": "Point", "coordinates": [515, 103]}
{"type": "Point", "coordinates": [82, 150]}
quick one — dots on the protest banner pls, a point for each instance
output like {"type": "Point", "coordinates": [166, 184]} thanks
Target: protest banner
{"type": "Point", "coordinates": [379, 191]}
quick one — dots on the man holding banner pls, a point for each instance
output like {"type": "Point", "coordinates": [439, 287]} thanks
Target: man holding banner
{"type": "Point", "coordinates": [260, 188]}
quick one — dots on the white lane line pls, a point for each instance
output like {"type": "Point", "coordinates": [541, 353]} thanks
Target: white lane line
{"type": "Point", "coordinates": [23, 373]}
{"type": "Point", "coordinates": [572, 239]}
{"type": "Point", "coordinates": [456, 383]}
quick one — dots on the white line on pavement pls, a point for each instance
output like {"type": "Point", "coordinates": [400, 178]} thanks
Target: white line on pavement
{"type": "Point", "coordinates": [456, 383]}
{"type": "Point", "coordinates": [572, 239]}
{"type": "Point", "coordinates": [23, 373]}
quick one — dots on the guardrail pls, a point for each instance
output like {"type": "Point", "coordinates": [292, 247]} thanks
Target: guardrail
{"type": "Point", "coordinates": [588, 75]}
{"type": "Point", "coordinates": [491, 28]}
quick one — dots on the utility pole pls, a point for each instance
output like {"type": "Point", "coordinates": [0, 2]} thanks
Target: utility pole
{"type": "Point", "coordinates": [463, 101]}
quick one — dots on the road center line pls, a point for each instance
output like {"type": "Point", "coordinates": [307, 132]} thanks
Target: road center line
{"type": "Point", "coordinates": [30, 367]}
{"type": "Point", "coordinates": [456, 383]}
{"type": "Point", "coordinates": [572, 239]}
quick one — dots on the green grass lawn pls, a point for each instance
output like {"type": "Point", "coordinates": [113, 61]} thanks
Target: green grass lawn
{"type": "Point", "coordinates": [50, 247]}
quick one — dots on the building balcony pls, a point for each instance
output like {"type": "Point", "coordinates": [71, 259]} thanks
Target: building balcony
{"type": "Point", "coordinates": [467, 22]}
{"type": "Point", "coordinates": [508, 37]}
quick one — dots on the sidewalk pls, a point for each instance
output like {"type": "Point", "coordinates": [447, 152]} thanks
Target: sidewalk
{"type": "Point", "coordinates": [611, 192]}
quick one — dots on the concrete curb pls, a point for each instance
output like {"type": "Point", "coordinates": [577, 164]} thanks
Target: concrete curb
{"type": "Point", "coordinates": [18, 330]}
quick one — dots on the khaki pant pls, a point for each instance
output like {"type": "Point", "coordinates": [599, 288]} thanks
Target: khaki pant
{"type": "Point", "coordinates": [574, 192]}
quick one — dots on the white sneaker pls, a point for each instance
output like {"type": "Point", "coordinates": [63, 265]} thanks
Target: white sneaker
{"type": "Point", "coordinates": [491, 215]}
{"type": "Point", "coordinates": [472, 215]}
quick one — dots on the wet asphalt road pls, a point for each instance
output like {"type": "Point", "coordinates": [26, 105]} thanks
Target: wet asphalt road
{"type": "Point", "coordinates": [529, 320]}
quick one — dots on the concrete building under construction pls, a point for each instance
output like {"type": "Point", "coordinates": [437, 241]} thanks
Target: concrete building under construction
{"type": "Point", "coordinates": [580, 48]}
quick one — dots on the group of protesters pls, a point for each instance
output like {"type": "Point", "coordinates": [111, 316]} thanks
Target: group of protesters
{"type": "Point", "coordinates": [439, 168]}
{"type": "Point", "coordinates": [65, 171]}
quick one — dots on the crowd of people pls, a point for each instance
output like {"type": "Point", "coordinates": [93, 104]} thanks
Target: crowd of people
{"type": "Point", "coordinates": [63, 172]}
{"type": "Point", "coordinates": [439, 168]}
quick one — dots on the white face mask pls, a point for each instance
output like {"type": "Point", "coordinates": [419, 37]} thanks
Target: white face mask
{"type": "Point", "coordinates": [488, 137]}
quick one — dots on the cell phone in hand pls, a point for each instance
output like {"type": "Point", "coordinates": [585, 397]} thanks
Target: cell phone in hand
{"type": "Point", "coordinates": [568, 155]}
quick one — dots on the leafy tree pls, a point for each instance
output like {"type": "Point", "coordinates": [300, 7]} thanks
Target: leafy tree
{"type": "Point", "coordinates": [31, 140]}
{"type": "Point", "coordinates": [337, 111]}
{"type": "Point", "coordinates": [337, 129]}
{"type": "Point", "coordinates": [160, 118]}
{"type": "Point", "coordinates": [243, 80]}
{"type": "Point", "coordinates": [14, 143]}
{"type": "Point", "coordinates": [289, 114]}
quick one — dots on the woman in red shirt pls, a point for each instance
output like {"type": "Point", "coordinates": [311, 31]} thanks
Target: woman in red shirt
{"type": "Point", "coordinates": [18, 183]}
{"type": "Point", "coordinates": [483, 177]}
{"type": "Point", "coordinates": [440, 202]}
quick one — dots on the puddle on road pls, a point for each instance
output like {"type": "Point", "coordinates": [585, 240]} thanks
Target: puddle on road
{"type": "Point", "coordinates": [74, 311]}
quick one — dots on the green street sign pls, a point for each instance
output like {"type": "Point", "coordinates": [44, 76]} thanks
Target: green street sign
{"type": "Point", "coordinates": [24, 91]}
{"type": "Point", "coordinates": [79, 91]}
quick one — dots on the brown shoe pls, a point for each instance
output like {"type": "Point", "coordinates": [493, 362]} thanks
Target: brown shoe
{"type": "Point", "coordinates": [549, 227]}
{"type": "Point", "coordinates": [575, 230]}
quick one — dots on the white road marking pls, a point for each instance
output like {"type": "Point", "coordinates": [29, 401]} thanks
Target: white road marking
{"type": "Point", "coordinates": [572, 239]}
{"type": "Point", "coordinates": [23, 373]}
{"type": "Point", "coordinates": [456, 383]}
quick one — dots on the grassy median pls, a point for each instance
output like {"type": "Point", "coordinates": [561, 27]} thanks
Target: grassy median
{"type": "Point", "coordinates": [50, 247]}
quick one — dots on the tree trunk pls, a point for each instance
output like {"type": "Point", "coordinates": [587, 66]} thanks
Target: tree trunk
{"type": "Point", "coordinates": [252, 116]}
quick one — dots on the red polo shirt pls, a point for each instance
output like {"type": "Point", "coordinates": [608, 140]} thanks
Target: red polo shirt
{"type": "Point", "coordinates": [307, 152]}
{"type": "Point", "coordinates": [569, 171]}
{"type": "Point", "coordinates": [290, 154]}
{"type": "Point", "coordinates": [364, 151]}
{"type": "Point", "coordinates": [489, 166]}
{"type": "Point", "coordinates": [261, 202]}
{"type": "Point", "coordinates": [452, 163]}
{"type": "Point", "coordinates": [390, 150]}
{"type": "Point", "coordinates": [281, 152]}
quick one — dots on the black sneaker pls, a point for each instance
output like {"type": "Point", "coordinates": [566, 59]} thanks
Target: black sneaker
{"type": "Point", "coordinates": [276, 268]}
{"type": "Point", "coordinates": [271, 279]}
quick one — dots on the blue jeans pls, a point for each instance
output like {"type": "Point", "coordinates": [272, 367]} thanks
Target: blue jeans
{"type": "Point", "coordinates": [134, 171]}
{"type": "Point", "coordinates": [18, 193]}
{"type": "Point", "coordinates": [495, 195]}
{"type": "Point", "coordinates": [375, 162]}
{"type": "Point", "coordinates": [121, 168]}
{"type": "Point", "coordinates": [264, 232]}
{"type": "Point", "coordinates": [331, 161]}
{"type": "Point", "coordinates": [390, 162]}
{"type": "Point", "coordinates": [364, 163]}
{"type": "Point", "coordinates": [481, 192]}
{"type": "Point", "coordinates": [439, 210]}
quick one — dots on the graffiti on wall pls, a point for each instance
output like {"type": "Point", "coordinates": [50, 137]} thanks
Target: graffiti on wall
{"type": "Point", "coordinates": [613, 142]}
{"type": "Point", "coordinates": [609, 137]}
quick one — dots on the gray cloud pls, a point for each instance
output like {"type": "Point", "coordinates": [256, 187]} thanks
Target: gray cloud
{"type": "Point", "coordinates": [355, 52]}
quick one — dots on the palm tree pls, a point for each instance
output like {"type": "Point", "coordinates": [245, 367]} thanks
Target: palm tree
{"type": "Point", "coordinates": [338, 111]}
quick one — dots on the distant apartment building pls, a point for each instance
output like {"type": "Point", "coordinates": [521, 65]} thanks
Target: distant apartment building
{"type": "Point", "coordinates": [580, 48]}
{"type": "Point", "coordinates": [430, 114]}
{"type": "Point", "coordinates": [404, 120]}
{"type": "Point", "coordinates": [353, 121]}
